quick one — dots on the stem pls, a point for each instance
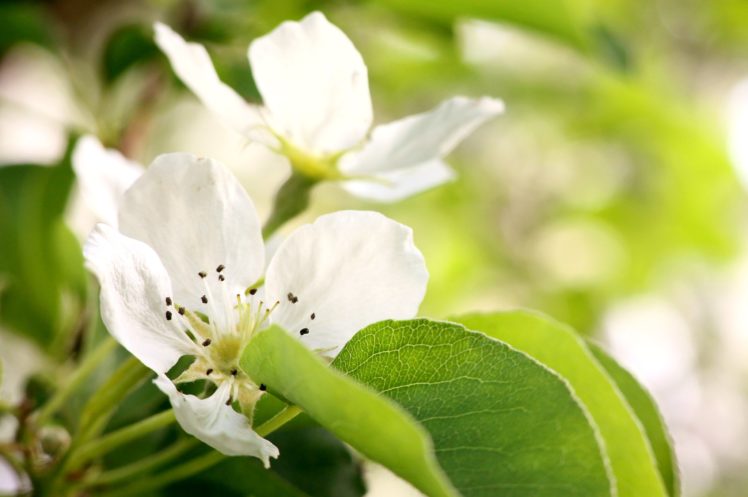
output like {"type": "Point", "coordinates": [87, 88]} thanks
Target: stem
{"type": "Point", "coordinates": [107, 397]}
{"type": "Point", "coordinates": [187, 469]}
{"type": "Point", "coordinates": [283, 417]}
{"type": "Point", "coordinates": [142, 466]}
{"type": "Point", "coordinates": [291, 200]}
{"type": "Point", "coordinates": [96, 412]}
{"type": "Point", "coordinates": [201, 463]}
{"type": "Point", "coordinates": [113, 440]}
{"type": "Point", "coordinates": [85, 368]}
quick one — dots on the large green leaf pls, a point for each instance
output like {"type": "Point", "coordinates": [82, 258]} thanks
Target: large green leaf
{"type": "Point", "coordinates": [563, 350]}
{"type": "Point", "coordinates": [41, 265]}
{"type": "Point", "coordinates": [369, 422]}
{"type": "Point", "coordinates": [649, 416]}
{"type": "Point", "coordinates": [502, 423]}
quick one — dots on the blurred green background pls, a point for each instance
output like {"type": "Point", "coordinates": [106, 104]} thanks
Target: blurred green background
{"type": "Point", "coordinates": [606, 196]}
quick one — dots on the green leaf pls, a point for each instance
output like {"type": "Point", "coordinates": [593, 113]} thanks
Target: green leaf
{"type": "Point", "coordinates": [41, 266]}
{"type": "Point", "coordinates": [502, 423]}
{"type": "Point", "coordinates": [128, 46]}
{"type": "Point", "coordinates": [649, 416]}
{"type": "Point", "coordinates": [563, 350]}
{"type": "Point", "coordinates": [369, 422]}
{"type": "Point", "coordinates": [24, 22]}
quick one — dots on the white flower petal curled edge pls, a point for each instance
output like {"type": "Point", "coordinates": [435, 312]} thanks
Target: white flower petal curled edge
{"type": "Point", "coordinates": [317, 110]}
{"type": "Point", "coordinates": [189, 247]}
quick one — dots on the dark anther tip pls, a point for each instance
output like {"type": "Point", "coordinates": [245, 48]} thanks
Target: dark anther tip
{"type": "Point", "coordinates": [168, 300]}
{"type": "Point", "coordinates": [313, 316]}
{"type": "Point", "coordinates": [263, 387]}
{"type": "Point", "coordinates": [204, 299]}
{"type": "Point", "coordinates": [303, 331]}
{"type": "Point", "coordinates": [234, 372]}
{"type": "Point", "coordinates": [168, 315]}
{"type": "Point", "coordinates": [220, 268]}
{"type": "Point", "coordinates": [210, 370]}
{"type": "Point", "coordinates": [206, 342]}
{"type": "Point", "coordinates": [181, 311]}
{"type": "Point", "coordinates": [221, 277]}
{"type": "Point", "coordinates": [202, 274]}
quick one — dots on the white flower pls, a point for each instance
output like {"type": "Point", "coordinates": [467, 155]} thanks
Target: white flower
{"type": "Point", "coordinates": [102, 177]}
{"type": "Point", "coordinates": [189, 245]}
{"type": "Point", "coordinates": [317, 110]}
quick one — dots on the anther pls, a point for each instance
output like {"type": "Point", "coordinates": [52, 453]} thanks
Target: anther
{"type": "Point", "coordinates": [234, 372]}
{"type": "Point", "coordinates": [220, 268]}
{"type": "Point", "coordinates": [168, 315]}
{"type": "Point", "coordinates": [221, 277]}
{"type": "Point", "coordinates": [210, 370]}
{"type": "Point", "coordinates": [263, 387]}
{"type": "Point", "coordinates": [206, 342]}
{"type": "Point", "coordinates": [313, 316]}
{"type": "Point", "coordinates": [181, 311]}
{"type": "Point", "coordinates": [303, 331]}
{"type": "Point", "coordinates": [168, 300]}
{"type": "Point", "coordinates": [252, 291]}
{"type": "Point", "coordinates": [229, 401]}
{"type": "Point", "coordinates": [202, 274]}
{"type": "Point", "coordinates": [292, 298]}
{"type": "Point", "coordinates": [204, 299]}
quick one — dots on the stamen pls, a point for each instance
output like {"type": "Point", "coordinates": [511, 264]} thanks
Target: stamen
{"type": "Point", "coordinates": [304, 331]}
{"type": "Point", "coordinates": [221, 277]}
{"type": "Point", "coordinates": [250, 291]}
{"type": "Point", "coordinates": [292, 298]}
{"type": "Point", "coordinates": [168, 301]}
{"type": "Point", "coordinates": [204, 299]}
{"type": "Point", "coordinates": [207, 342]}
{"type": "Point", "coordinates": [229, 401]}
{"type": "Point", "coordinates": [263, 387]}
{"type": "Point", "coordinates": [181, 311]}
{"type": "Point", "coordinates": [313, 316]}
{"type": "Point", "coordinates": [168, 315]}
{"type": "Point", "coordinates": [202, 274]}
{"type": "Point", "coordinates": [210, 370]}
{"type": "Point", "coordinates": [234, 372]}
{"type": "Point", "coordinates": [220, 268]}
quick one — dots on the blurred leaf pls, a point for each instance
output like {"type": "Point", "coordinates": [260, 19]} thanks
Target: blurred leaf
{"type": "Point", "coordinates": [128, 46]}
{"type": "Point", "coordinates": [561, 349]}
{"type": "Point", "coordinates": [367, 421]}
{"type": "Point", "coordinates": [317, 463]}
{"type": "Point", "coordinates": [649, 416]}
{"type": "Point", "coordinates": [501, 422]}
{"type": "Point", "coordinates": [235, 477]}
{"type": "Point", "coordinates": [23, 22]}
{"type": "Point", "coordinates": [41, 266]}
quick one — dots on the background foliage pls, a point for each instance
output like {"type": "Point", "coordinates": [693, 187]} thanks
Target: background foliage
{"type": "Point", "coordinates": [606, 191]}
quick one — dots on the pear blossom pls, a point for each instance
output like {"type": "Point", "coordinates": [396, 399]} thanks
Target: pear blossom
{"type": "Point", "coordinates": [317, 111]}
{"type": "Point", "coordinates": [181, 277]}
{"type": "Point", "coordinates": [102, 176]}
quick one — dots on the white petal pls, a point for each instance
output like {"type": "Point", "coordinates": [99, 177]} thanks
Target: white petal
{"type": "Point", "coordinates": [349, 268]}
{"type": "Point", "coordinates": [134, 286]}
{"type": "Point", "coordinates": [218, 425]}
{"type": "Point", "coordinates": [196, 216]}
{"type": "Point", "coordinates": [420, 138]}
{"type": "Point", "coordinates": [103, 176]}
{"type": "Point", "coordinates": [192, 64]}
{"type": "Point", "coordinates": [314, 83]}
{"type": "Point", "coordinates": [396, 185]}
